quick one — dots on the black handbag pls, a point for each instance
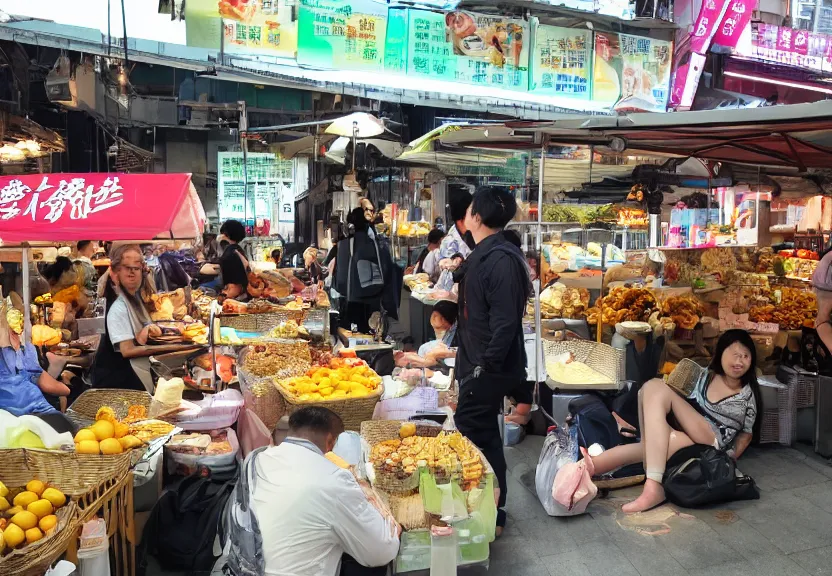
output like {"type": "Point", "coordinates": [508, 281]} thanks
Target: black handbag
{"type": "Point", "coordinates": [701, 475]}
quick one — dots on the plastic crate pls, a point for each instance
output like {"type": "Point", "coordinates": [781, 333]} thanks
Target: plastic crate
{"type": "Point", "coordinates": [805, 384]}
{"type": "Point", "coordinates": [779, 424]}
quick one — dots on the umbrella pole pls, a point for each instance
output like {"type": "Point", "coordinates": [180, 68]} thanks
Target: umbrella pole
{"type": "Point", "coordinates": [27, 295]}
{"type": "Point", "coordinates": [538, 322]}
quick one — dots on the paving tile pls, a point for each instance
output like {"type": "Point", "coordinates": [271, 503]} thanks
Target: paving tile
{"type": "Point", "coordinates": [547, 536]}
{"type": "Point", "coordinates": [820, 495]}
{"type": "Point", "coordinates": [599, 558]}
{"type": "Point", "coordinates": [817, 562]}
{"type": "Point", "coordinates": [695, 545]}
{"type": "Point", "coordinates": [521, 504]}
{"type": "Point", "coordinates": [647, 554]}
{"type": "Point", "coordinates": [790, 522]}
{"type": "Point", "coordinates": [767, 565]}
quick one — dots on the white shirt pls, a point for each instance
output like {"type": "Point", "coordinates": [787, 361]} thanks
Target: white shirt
{"type": "Point", "coordinates": [119, 326]}
{"type": "Point", "coordinates": [430, 265]}
{"type": "Point", "coordinates": [311, 512]}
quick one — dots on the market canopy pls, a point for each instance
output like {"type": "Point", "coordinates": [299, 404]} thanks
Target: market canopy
{"type": "Point", "coordinates": [98, 206]}
{"type": "Point", "coordinates": [795, 136]}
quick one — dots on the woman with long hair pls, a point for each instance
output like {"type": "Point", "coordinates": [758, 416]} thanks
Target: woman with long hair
{"type": "Point", "coordinates": [721, 412]}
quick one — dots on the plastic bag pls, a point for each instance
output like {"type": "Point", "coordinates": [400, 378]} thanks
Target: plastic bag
{"type": "Point", "coordinates": [185, 464]}
{"type": "Point", "coordinates": [445, 282]}
{"type": "Point", "coordinates": [573, 489]}
{"type": "Point", "coordinates": [253, 433]}
{"type": "Point", "coordinates": [168, 396]}
{"type": "Point", "coordinates": [706, 476]}
{"type": "Point", "coordinates": [559, 448]}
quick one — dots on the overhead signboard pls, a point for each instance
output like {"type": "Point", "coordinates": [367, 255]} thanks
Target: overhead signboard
{"type": "Point", "coordinates": [631, 73]}
{"type": "Point", "coordinates": [248, 190]}
{"type": "Point", "coordinates": [342, 35]}
{"type": "Point", "coordinates": [266, 27]}
{"type": "Point", "coordinates": [780, 45]}
{"type": "Point", "coordinates": [561, 62]}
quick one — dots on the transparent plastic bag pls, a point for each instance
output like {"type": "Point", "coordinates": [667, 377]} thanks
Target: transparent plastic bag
{"type": "Point", "coordinates": [559, 448]}
{"type": "Point", "coordinates": [446, 281]}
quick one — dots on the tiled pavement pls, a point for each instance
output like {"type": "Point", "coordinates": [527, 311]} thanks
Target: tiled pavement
{"type": "Point", "coordinates": [788, 532]}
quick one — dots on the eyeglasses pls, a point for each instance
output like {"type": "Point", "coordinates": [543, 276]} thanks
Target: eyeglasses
{"type": "Point", "coordinates": [370, 210]}
{"type": "Point", "coordinates": [132, 269]}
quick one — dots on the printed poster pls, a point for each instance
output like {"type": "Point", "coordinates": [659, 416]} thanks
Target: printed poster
{"type": "Point", "coordinates": [262, 27]}
{"type": "Point", "coordinates": [631, 73]}
{"type": "Point", "coordinates": [470, 48]}
{"type": "Point", "coordinates": [341, 35]}
{"type": "Point", "coordinates": [561, 62]}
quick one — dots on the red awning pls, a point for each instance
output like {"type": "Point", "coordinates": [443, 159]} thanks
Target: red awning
{"type": "Point", "coordinates": [97, 206]}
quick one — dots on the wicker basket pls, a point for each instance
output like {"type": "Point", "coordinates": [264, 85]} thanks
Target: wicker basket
{"type": "Point", "coordinates": [685, 376]}
{"type": "Point", "coordinates": [35, 559]}
{"type": "Point", "coordinates": [85, 407]}
{"type": "Point", "coordinates": [353, 411]}
{"type": "Point", "coordinates": [375, 431]}
{"type": "Point", "coordinates": [602, 358]}
{"type": "Point", "coordinates": [262, 397]}
{"type": "Point", "coordinates": [261, 322]}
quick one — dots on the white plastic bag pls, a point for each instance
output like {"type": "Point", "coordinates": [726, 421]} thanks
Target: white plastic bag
{"type": "Point", "coordinates": [559, 448]}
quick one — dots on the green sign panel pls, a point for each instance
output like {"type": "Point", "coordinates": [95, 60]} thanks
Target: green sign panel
{"type": "Point", "coordinates": [562, 62]}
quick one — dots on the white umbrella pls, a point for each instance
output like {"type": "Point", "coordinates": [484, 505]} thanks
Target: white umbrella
{"type": "Point", "coordinates": [356, 125]}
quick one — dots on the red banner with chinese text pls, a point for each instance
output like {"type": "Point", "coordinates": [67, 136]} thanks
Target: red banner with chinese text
{"type": "Point", "coordinates": [98, 206]}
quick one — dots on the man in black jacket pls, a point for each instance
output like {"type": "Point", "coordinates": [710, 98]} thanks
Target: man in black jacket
{"type": "Point", "coordinates": [491, 359]}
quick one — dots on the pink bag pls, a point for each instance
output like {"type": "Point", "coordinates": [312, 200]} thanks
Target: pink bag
{"type": "Point", "coordinates": [251, 432]}
{"type": "Point", "coordinates": [573, 489]}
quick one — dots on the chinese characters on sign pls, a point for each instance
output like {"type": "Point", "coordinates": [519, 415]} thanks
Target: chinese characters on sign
{"type": "Point", "coordinates": [264, 174]}
{"type": "Point", "coordinates": [736, 19]}
{"type": "Point", "coordinates": [561, 62]}
{"type": "Point", "coordinates": [632, 73]}
{"type": "Point", "coordinates": [341, 35]}
{"type": "Point", "coordinates": [799, 48]}
{"type": "Point", "coordinates": [49, 202]}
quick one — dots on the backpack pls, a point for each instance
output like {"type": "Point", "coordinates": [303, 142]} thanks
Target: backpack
{"type": "Point", "coordinates": [242, 542]}
{"type": "Point", "coordinates": [183, 524]}
{"type": "Point", "coordinates": [700, 475]}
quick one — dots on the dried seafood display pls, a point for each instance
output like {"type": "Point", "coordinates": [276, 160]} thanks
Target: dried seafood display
{"type": "Point", "coordinates": [685, 311]}
{"type": "Point", "coordinates": [621, 304]}
{"type": "Point", "coordinates": [791, 308]}
{"type": "Point", "coordinates": [558, 301]}
{"type": "Point", "coordinates": [289, 330]}
{"type": "Point", "coordinates": [280, 359]}
{"type": "Point", "coordinates": [449, 455]}
{"type": "Point", "coordinates": [718, 261]}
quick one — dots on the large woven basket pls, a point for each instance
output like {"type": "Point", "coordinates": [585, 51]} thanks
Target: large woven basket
{"type": "Point", "coordinates": [261, 322]}
{"type": "Point", "coordinates": [602, 358]}
{"type": "Point", "coordinates": [375, 431]}
{"type": "Point", "coordinates": [685, 376]}
{"type": "Point", "coordinates": [35, 559]}
{"type": "Point", "coordinates": [85, 407]}
{"type": "Point", "coordinates": [262, 397]}
{"type": "Point", "coordinates": [353, 411]}
{"type": "Point", "coordinates": [72, 473]}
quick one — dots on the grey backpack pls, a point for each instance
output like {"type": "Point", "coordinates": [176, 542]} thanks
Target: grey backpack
{"type": "Point", "coordinates": [240, 535]}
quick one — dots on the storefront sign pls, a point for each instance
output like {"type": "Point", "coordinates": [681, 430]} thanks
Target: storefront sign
{"type": "Point", "coordinates": [799, 48]}
{"type": "Point", "coordinates": [266, 175]}
{"type": "Point", "coordinates": [263, 27]}
{"type": "Point", "coordinates": [707, 23]}
{"type": "Point", "coordinates": [631, 73]}
{"type": "Point", "coordinates": [561, 62]}
{"type": "Point", "coordinates": [469, 48]}
{"type": "Point", "coordinates": [734, 22]}
{"type": "Point", "coordinates": [342, 35]}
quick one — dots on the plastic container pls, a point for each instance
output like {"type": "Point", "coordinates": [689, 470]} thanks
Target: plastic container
{"type": "Point", "coordinates": [217, 411]}
{"type": "Point", "coordinates": [93, 555]}
{"type": "Point", "coordinates": [178, 463]}
{"type": "Point", "coordinates": [443, 551]}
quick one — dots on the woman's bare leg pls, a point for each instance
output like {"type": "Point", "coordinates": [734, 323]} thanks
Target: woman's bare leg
{"type": "Point", "coordinates": [614, 458]}
{"type": "Point", "coordinates": [656, 401]}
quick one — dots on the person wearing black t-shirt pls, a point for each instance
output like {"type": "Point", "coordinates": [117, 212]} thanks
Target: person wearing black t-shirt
{"type": "Point", "coordinates": [233, 262]}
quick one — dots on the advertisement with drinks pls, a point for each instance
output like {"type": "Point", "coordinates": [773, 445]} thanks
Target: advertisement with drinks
{"type": "Point", "coordinates": [562, 62]}
{"type": "Point", "coordinates": [631, 73]}
{"type": "Point", "coordinates": [264, 27]}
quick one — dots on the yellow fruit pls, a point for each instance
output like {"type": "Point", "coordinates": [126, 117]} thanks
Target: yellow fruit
{"type": "Point", "coordinates": [2, 543]}
{"type": "Point", "coordinates": [13, 536]}
{"type": "Point", "coordinates": [111, 446]}
{"type": "Point", "coordinates": [36, 486]}
{"type": "Point", "coordinates": [103, 429]}
{"type": "Point", "coordinates": [3, 490]}
{"type": "Point", "coordinates": [407, 430]}
{"type": "Point", "coordinates": [106, 413]}
{"type": "Point", "coordinates": [41, 508]}
{"type": "Point", "coordinates": [87, 447]}
{"type": "Point", "coordinates": [25, 498]}
{"type": "Point", "coordinates": [4, 504]}
{"type": "Point", "coordinates": [326, 391]}
{"type": "Point", "coordinates": [85, 434]}
{"type": "Point", "coordinates": [129, 442]}
{"type": "Point", "coordinates": [33, 535]}
{"type": "Point", "coordinates": [12, 511]}
{"type": "Point", "coordinates": [47, 523]}
{"type": "Point", "coordinates": [25, 520]}
{"type": "Point", "coordinates": [121, 429]}
{"type": "Point", "coordinates": [55, 497]}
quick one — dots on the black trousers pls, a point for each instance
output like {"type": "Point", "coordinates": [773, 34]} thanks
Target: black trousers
{"type": "Point", "coordinates": [476, 418]}
{"type": "Point", "coordinates": [349, 567]}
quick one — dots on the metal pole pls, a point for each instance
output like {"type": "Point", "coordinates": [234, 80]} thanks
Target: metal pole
{"type": "Point", "coordinates": [538, 324]}
{"type": "Point", "coordinates": [243, 125]}
{"type": "Point", "coordinates": [27, 295]}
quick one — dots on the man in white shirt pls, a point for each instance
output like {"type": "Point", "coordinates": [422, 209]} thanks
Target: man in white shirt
{"type": "Point", "coordinates": [311, 513]}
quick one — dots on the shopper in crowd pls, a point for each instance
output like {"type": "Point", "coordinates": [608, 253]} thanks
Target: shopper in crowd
{"type": "Point", "coordinates": [820, 345]}
{"type": "Point", "coordinates": [457, 240]}
{"type": "Point", "coordinates": [314, 517]}
{"type": "Point", "coordinates": [313, 268]}
{"type": "Point", "coordinates": [60, 274]}
{"type": "Point", "coordinates": [121, 359]}
{"type": "Point", "coordinates": [721, 411]}
{"type": "Point", "coordinates": [431, 252]}
{"type": "Point", "coordinates": [234, 266]}
{"type": "Point", "coordinates": [86, 249]}
{"type": "Point", "coordinates": [491, 360]}
{"type": "Point", "coordinates": [277, 257]}
{"type": "Point", "coordinates": [443, 320]}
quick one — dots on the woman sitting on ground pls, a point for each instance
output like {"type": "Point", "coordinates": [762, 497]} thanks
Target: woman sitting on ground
{"type": "Point", "coordinates": [443, 320]}
{"type": "Point", "coordinates": [721, 412]}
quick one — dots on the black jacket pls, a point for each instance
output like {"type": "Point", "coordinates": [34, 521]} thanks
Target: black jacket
{"type": "Point", "coordinates": [492, 302]}
{"type": "Point", "coordinates": [364, 248]}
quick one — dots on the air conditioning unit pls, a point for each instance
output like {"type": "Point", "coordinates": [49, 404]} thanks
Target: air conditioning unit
{"type": "Point", "coordinates": [59, 82]}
